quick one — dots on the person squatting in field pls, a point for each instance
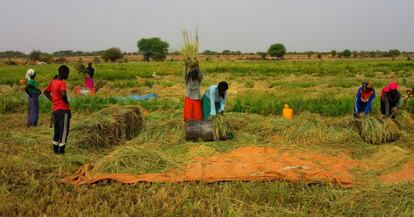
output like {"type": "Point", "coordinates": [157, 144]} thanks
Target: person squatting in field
{"type": "Point", "coordinates": [192, 101]}
{"type": "Point", "coordinates": [390, 100]}
{"type": "Point", "coordinates": [33, 98]}
{"type": "Point", "coordinates": [56, 92]}
{"type": "Point", "coordinates": [364, 98]}
{"type": "Point", "coordinates": [214, 99]}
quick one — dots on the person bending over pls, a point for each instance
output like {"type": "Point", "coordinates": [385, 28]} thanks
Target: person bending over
{"type": "Point", "coordinates": [214, 99]}
{"type": "Point", "coordinates": [390, 100]}
{"type": "Point", "coordinates": [364, 98]}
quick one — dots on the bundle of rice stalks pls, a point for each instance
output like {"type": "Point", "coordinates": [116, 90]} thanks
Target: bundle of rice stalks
{"type": "Point", "coordinates": [405, 119]}
{"type": "Point", "coordinates": [221, 128]}
{"type": "Point", "coordinates": [132, 160]}
{"type": "Point", "coordinates": [374, 131]}
{"type": "Point", "coordinates": [108, 127]}
{"type": "Point", "coordinates": [190, 49]}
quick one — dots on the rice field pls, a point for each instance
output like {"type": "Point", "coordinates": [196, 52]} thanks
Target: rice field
{"type": "Point", "coordinates": [321, 94]}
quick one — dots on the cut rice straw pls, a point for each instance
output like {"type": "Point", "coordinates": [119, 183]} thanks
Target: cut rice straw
{"type": "Point", "coordinates": [190, 49]}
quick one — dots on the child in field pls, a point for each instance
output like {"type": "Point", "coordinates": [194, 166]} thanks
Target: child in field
{"type": "Point", "coordinates": [214, 99]}
{"type": "Point", "coordinates": [390, 100]}
{"type": "Point", "coordinates": [56, 92]}
{"type": "Point", "coordinates": [192, 101]}
{"type": "Point", "coordinates": [364, 98]}
{"type": "Point", "coordinates": [33, 100]}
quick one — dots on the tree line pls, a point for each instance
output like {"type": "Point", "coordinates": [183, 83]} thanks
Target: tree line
{"type": "Point", "coordinates": [156, 49]}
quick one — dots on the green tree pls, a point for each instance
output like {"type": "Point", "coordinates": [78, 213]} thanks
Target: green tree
{"type": "Point", "coordinates": [153, 48]}
{"type": "Point", "coordinates": [277, 50]}
{"type": "Point", "coordinates": [346, 53]}
{"type": "Point", "coordinates": [262, 54]}
{"type": "Point", "coordinates": [112, 54]}
{"type": "Point", "coordinates": [394, 53]}
{"type": "Point", "coordinates": [35, 55]}
{"type": "Point", "coordinates": [354, 54]}
{"type": "Point", "coordinates": [309, 54]}
{"type": "Point", "coordinates": [226, 52]}
{"type": "Point", "coordinates": [320, 56]}
{"type": "Point", "coordinates": [333, 53]}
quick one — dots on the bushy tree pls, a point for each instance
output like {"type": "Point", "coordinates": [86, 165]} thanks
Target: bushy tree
{"type": "Point", "coordinates": [346, 53]}
{"type": "Point", "coordinates": [277, 50]}
{"type": "Point", "coordinates": [209, 52]}
{"type": "Point", "coordinates": [35, 55]}
{"type": "Point", "coordinates": [320, 56]}
{"type": "Point", "coordinates": [112, 54]}
{"type": "Point", "coordinates": [309, 54]}
{"type": "Point", "coordinates": [262, 54]}
{"type": "Point", "coordinates": [394, 53]}
{"type": "Point", "coordinates": [354, 54]}
{"type": "Point", "coordinates": [333, 53]}
{"type": "Point", "coordinates": [226, 52]}
{"type": "Point", "coordinates": [153, 48]}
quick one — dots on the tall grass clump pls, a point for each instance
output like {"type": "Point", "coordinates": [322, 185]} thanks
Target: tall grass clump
{"type": "Point", "coordinates": [221, 128]}
{"type": "Point", "coordinates": [133, 160]}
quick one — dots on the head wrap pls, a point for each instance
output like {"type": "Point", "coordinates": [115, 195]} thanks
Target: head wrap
{"type": "Point", "coordinates": [29, 74]}
{"type": "Point", "coordinates": [393, 86]}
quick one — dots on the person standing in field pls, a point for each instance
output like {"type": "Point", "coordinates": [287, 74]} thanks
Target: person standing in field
{"type": "Point", "coordinates": [214, 100]}
{"type": "Point", "coordinates": [192, 101]}
{"type": "Point", "coordinates": [364, 98]}
{"type": "Point", "coordinates": [33, 100]}
{"type": "Point", "coordinates": [390, 100]}
{"type": "Point", "coordinates": [90, 72]}
{"type": "Point", "coordinates": [56, 92]}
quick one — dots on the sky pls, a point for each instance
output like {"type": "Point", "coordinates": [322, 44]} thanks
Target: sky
{"type": "Point", "coordinates": [245, 25]}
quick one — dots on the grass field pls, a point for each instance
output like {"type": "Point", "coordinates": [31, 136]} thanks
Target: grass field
{"type": "Point", "coordinates": [320, 92]}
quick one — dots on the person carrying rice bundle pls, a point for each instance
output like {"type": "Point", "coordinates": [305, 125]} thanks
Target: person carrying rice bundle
{"type": "Point", "coordinates": [364, 98]}
{"type": "Point", "coordinates": [56, 92]}
{"type": "Point", "coordinates": [193, 77]}
{"type": "Point", "coordinates": [390, 100]}
{"type": "Point", "coordinates": [33, 100]}
{"type": "Point", "coordinates": [214, 100]}
{"type": "Point", "coordinates": [192, 99]}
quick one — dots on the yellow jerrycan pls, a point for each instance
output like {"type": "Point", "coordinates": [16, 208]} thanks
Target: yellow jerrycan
{"type": "Point", "coordinates": [287, 112]}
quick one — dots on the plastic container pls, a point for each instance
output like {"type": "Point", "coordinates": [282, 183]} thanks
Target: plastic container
{"type": "Point", "coordinates": [287, 112]}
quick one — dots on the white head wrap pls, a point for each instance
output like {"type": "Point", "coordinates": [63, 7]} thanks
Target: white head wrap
{"type": "Point", "coordinates": [29, 74]}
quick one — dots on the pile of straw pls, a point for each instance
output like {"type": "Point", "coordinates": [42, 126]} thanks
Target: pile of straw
{"type": "Point", "coordinates": [132, 160]}
{"type": "Point", "coordinates": [376, 131]}
{"type": "Point", "coordinates": [221, 128]}
{"type": "Point", "coordinates": [190, 49]}
{"type": "Point", "coordinates": [108, 127]}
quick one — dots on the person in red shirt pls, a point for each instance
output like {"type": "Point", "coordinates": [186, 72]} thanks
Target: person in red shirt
{"type": "Point", "coordinates": [56, 92]}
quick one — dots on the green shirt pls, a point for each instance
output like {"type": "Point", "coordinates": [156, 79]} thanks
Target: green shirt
{"type": "Point", "coordinates": [32, 86]}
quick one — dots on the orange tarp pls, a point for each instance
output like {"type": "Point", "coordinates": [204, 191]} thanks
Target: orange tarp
{"type": "Point", "coordinates": [246, 164]}
{"type": "Point", "coordinates": [406, 174]}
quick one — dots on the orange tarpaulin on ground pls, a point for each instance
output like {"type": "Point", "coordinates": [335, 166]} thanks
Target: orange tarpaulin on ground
{"type": "Point", "coordinates": [406, 174]}
{"type": "Point", "coordinates": [246, 164]}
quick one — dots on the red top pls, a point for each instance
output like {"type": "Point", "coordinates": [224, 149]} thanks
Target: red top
{"type": "Point", "coordinates": [55, 87]}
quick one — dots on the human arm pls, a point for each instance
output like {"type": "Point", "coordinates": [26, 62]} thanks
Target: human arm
{"type": "Point", "coordinates": [212, 97]}
{"type": "Point", "coordinates": [47, 92]}
{"type": "Point", "coordinates": [357, 101]}
{"type": "Point", "coordinates": [387, 105]}
{"type": "Point", "coordinates": [223, 103]}
{"type": "Point", "coordinates": [62, 89]}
